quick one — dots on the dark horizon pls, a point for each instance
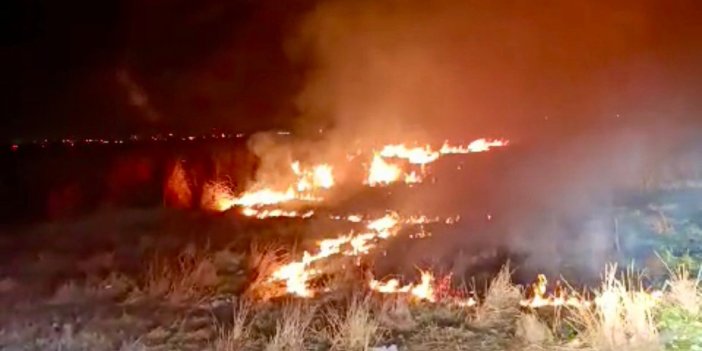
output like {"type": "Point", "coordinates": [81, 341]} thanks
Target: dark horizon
{"type": "Point", "coordinates": [118, 67]}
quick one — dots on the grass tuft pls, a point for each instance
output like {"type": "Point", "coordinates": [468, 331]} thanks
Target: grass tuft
{"type": "Point", "coordinates": [238, 335]}
{"type": "Point", "coordinates": [291, 328]}
{"type": "Point", "coordinates": [622, 317]}
{"type": "Point", "coordinates": [501, 302]}
{"type": "Point", "coordinates": [194, 276]}
{"type": "Point", "coordinates": [352, 330]}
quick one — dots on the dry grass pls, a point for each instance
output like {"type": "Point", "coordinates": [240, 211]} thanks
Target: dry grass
{"type": "Point", "coordinates": [683, 291]}
{"type": "Point", "coordinates": [532, 330]}
{"type": "Point", "coordinates": [501, 301]}
{"type": "Point", "coordinates": [74, 292]}
{"type": "Point", "coordinates": [193, 277]}
{"type": "Point", "coordinates": [395, 314]}
{"type": "Point", "coordinates": [622, 318]}
{"type": "Point", "coordinates": [291, 328]}
{"type": "Point", "coordinates": [352, 330]}
{"type": "Point", "coordinates": [238, 336]}
{"type": "Point", "coordinates": [263, 260]}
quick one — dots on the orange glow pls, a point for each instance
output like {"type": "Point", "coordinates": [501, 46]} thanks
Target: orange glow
{"type": "Point", "coordinates": [413, 178]}
{"type": "Point", "coordinates": [537, 296]}
{"type": "Point", "coordinates": [264, 197]}
{"type": "Point", "coordinates": [217, 196]}
{"type": "Point", "coordinates": [297, 274]}
{"type": "Point", "coordinates": [478, 145]}
{"type": "Point", "coordinates": [382, 173]}
{"type": "Point", "coordinates": [415, 155]}
{"type": "Point", "coordinates": [309, 183]}
{"type": "Point", "coordinates": [273, 213]}
{"type": "Point", "coordinates": [320, 176]}
{"type": "Point", "coordinates": [424, 290]}
{"type": "Point", "coordinates": [177, 191]}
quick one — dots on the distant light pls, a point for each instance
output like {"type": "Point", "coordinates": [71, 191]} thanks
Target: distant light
{"type": "Point", "coordinates": [14, 147]}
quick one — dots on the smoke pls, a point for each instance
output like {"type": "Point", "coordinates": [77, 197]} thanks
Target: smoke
{"type": "Point", "coordinates": [397, 69]}
{"type": "Point", "coordinates": [136, 95]}
{"type": "Point", "coordinates": [588, 92]}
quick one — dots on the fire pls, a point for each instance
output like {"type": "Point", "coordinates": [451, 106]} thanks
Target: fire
{"type": "Point", "coordinates": [264, 197]}
{"type": "Point", "coordinates": [413, 178]}
{"type": "Point", "coordinates": [382, 173]}
{"type": "Point", "coordinates": [537, 296]}
{"type": "Point", "coordinates": [320, 176]}
{"type": "Point", "coordinates": [353, 218]}
{"type": "Point", "coordinates": [273, 213]}
{"type": "Point", "coordinates": [428, 289]}
{"type": "Point", "coordinates": [217, 196]}
{"type": "Point", "coordinates": [415, 155]}
{"type": "Point", "coordinates": [478, 145]}
{"type": "Point", "coordinates": [297, 274]}
{"type": "Point", "coordinates": [424, 290]}
{"type": "Point", "coordinates": [309, 183]}
{"type": "Point", "coordinates": [384, 224]}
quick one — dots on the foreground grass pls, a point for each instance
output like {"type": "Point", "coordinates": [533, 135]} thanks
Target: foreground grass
{"type": "Point", "coordinates": [182, 307]}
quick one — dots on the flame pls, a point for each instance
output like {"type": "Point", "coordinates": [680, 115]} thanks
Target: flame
{"type": "Point", "coordinates": [413, 178]}
{"type": "Point", "coordinates": [424, 290]}
{"type": "Point", "coordinates": [217, 196]}
{"type": "Point", "coordinates": [264, 197]}
{"type": "Point", "coordinates": [273, 213]}
{"type": "Point", "coordinates": [307, 183]}
{"type": "Point", "coordinates": [320, 176]}
{"type": "Point", "coordinates": [558, 298]}
{"type": "Point", "coordinates": [297, 274]}
{"type": "Point", "coordinates": [382, 173]}
{"type": "Point", "coordinates": [537, 296]}
{"type": "Point", "coordinates": [415, 155]}
{"type": "Point", "coordinates": [383, 224]}
{"type": "Point", "coordinates": [478, 145]}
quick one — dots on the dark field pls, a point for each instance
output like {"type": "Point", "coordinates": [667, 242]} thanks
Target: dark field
{"type": "Point", "coordinates": [93, 256]}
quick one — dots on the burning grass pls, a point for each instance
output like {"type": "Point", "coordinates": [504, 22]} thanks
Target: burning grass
{"type": "Point", "coordinates": [621, 315]}
{"type": "Point", "coordinates": [325, 295]}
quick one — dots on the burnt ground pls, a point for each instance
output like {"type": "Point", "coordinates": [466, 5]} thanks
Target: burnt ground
{"type": "Point", "coordinates": [109, 280]}
{"type": "Point", "coordinates": [90, 259]}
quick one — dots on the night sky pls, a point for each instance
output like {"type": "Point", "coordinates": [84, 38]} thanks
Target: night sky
{"type": "Point", "coordinates": [115, 67]}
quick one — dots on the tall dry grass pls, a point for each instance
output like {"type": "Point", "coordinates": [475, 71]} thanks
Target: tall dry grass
{"type": "Point", "coordinates": [292, 327]}
{"type": "Point", "coordinates": [192, 277]}
{"type": "Point", "coordinates": [354, 329]}
{"type": "Point", "coordinates": [622, 317]}
{"type": "Point", "coordinates": [501, 302]}
{"type": "Point", "coordinates": [238, 336]}
{"type": "Point", "coordinates": [684, 291]}
{"type": "Point", "coordinates": [263, 260]}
